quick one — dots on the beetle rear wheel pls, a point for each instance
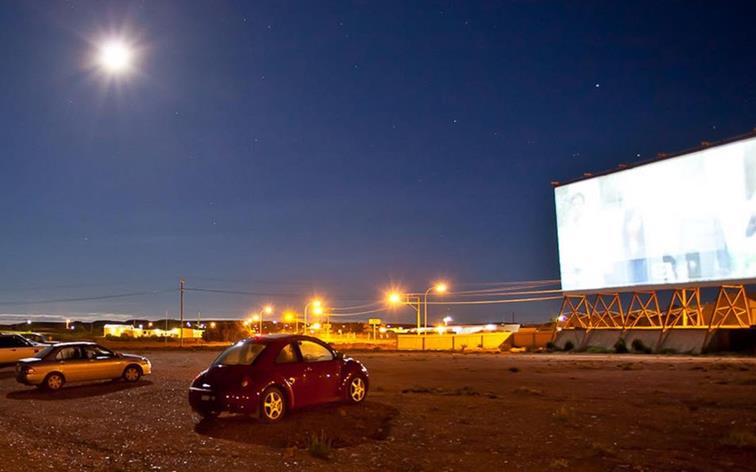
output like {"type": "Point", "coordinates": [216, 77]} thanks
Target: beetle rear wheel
{"type": "Point", "coordinates": [273, 406]}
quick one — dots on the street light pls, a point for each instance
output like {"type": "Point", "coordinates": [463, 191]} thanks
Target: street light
{"type": "Point", "coordinates": [317, 309]}
{"type": "Point", "coordinates": [395, 298]}
{"type": "Point", "coordinates": [115, 56]}
{"type": "Point", "coordinates": [289, 317]}
{"type": "Point", "coordinates": [447, 320]}
{"type": "Point", "coordinates": [440, 288]}
{"type": "Point", "coordinates": [256, 318]}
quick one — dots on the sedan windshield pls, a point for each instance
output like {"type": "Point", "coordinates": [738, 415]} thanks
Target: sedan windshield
{"type": "Point", "coordinates": [241, 353]}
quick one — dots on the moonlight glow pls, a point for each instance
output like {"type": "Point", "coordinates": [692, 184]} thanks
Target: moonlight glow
{"type": "Point", "coordinates": [115, 56]}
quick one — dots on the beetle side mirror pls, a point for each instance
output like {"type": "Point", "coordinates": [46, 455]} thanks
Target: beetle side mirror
{"type": "Point", "coordinates": [339, 355]}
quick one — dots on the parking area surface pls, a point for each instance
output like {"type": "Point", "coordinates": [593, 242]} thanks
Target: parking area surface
{"type": "Point", "coordinates": [424, 412]}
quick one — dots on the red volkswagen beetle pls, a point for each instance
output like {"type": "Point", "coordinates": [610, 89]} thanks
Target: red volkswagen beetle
{"type": "Point", "coordinates": [270, 375]}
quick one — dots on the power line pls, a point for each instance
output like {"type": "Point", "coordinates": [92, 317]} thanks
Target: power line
{"type": "Point", "coordinates": [85, 299]}
{"type": "Point", "coordinates": [507, 288]}
{"type": "Point", "coordinates": [344, 315]}
{"type": "Point", "coordinates": [241, 292]}
{"type": "Point", "coordinates": [506, 294]}
{"type": "Point", "coordinates": [261, 294]}
{"type": "Point", "coordinates": [493, 302]}
{"type": "Point", "coordinates": [520, 282]}
{"type": "Point", "coordinates": [355, 307]}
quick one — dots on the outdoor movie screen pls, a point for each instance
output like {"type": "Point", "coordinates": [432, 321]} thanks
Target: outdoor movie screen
{"type": "Point", "coordinates": [686, 219]}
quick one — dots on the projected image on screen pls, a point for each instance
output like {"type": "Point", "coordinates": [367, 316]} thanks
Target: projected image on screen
{"type": "Point", "coordinates": [686, 219]}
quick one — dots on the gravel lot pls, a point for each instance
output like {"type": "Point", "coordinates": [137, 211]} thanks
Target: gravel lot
{"type": "Point", "coordinates": [424, 412]}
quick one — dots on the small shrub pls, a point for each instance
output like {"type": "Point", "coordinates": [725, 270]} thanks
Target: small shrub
{"type": "Point", "coordinates": [569, 345]}
{"type": "Point", "coordinates": [620, 347]}
{"type": "Point", "coordinates": [638, 346]}
{"type": "Point", "coordinates": [563, 413]}
{"type": "Point", "coordinates": [668, 350]}
{"type": "Point", "coordinates": [514, 370]}
{"type": "Point", "coordinates": [528, 391]}
{"type": "Point", "coordinates": [603, 450]}
{"type": "Point", "coordinates": [420, 390]}
{"type": "Point", "coordinates": [559, 464]}
{"type": "Point", "coordinates": [597, 350]}
{"type": "Point", "coordinates": [464, 391]}
{"type": "Point", "coordinates": [740, 438]}
{"type": "Point", "coordinates": [550, 346]}
{"type": "Point", "coordinates": [320, 445]}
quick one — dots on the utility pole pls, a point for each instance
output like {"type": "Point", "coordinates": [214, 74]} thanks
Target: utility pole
{"type": "Point", "coordinates": [181, 311]}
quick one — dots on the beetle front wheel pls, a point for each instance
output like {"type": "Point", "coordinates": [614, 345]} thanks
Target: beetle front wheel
{"type": "Point", "coordinates": [357, 390]}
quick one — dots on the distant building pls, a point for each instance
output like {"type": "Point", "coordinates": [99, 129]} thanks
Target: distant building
{"type": "Point", "coordinates": [119, 330]}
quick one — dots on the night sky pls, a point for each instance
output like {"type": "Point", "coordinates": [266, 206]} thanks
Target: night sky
{"type": "Point", "coordinates": [293, 148]}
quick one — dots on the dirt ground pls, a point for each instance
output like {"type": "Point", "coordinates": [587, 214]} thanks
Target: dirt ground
{"type": "Point", "coordinates": [424, 412]}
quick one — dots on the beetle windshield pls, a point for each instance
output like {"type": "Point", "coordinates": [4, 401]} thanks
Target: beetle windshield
{"type": "Point", "coordinates": [241, 353]}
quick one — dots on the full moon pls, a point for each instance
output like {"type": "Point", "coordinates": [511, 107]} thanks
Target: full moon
{"type": "Point", "coordinates": [115, 56]}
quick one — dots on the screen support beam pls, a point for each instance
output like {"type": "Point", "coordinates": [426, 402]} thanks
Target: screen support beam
{"type": "Point", "coordinates": [685, 310]}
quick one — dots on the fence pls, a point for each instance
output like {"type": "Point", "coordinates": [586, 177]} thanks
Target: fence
{"type": "Point", "coordinates": [451, 342]}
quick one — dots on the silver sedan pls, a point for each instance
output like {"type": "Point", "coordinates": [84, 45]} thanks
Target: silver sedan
{"type": "Point", "coordinates": [79, 362]}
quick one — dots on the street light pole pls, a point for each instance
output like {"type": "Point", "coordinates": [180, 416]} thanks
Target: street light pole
{"type": "Point", "coordinates": [181, 310]}
{"type": "Point", "coordinates": [318, 307]}
{"type": "Point", "coordinates": [438, 287]}
{"type": "Point", "coordinates": [417, 305]}
{"type": "Point", "coordinates": [425, 309]}
{"type": "Point", "coordinates": [304, 321]}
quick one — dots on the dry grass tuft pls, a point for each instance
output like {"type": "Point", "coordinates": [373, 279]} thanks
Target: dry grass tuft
{"type": "Point", "coordinates": [741, 438]}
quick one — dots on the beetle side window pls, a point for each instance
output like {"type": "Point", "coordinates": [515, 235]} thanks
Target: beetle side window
{"type": "Point", "coordinates": [314, 352]}
{"type": "Point", "coordinates": [287, 355]}
{"type": "Point", "coordinates": [241, 353]}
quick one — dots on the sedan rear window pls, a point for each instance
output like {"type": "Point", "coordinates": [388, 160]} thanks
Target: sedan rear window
{"type": "Point", "coordinates": [241, 353]}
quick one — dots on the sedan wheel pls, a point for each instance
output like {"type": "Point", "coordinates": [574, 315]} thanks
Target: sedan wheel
{"type": "Point", "coordinates": [54, 382]}
{"type": "Point", "coordinates": [132, 373]}
{"type": "Point", "coordinates": [273, 405]}
{"type": "Point", "coordinates": [357, 389]}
